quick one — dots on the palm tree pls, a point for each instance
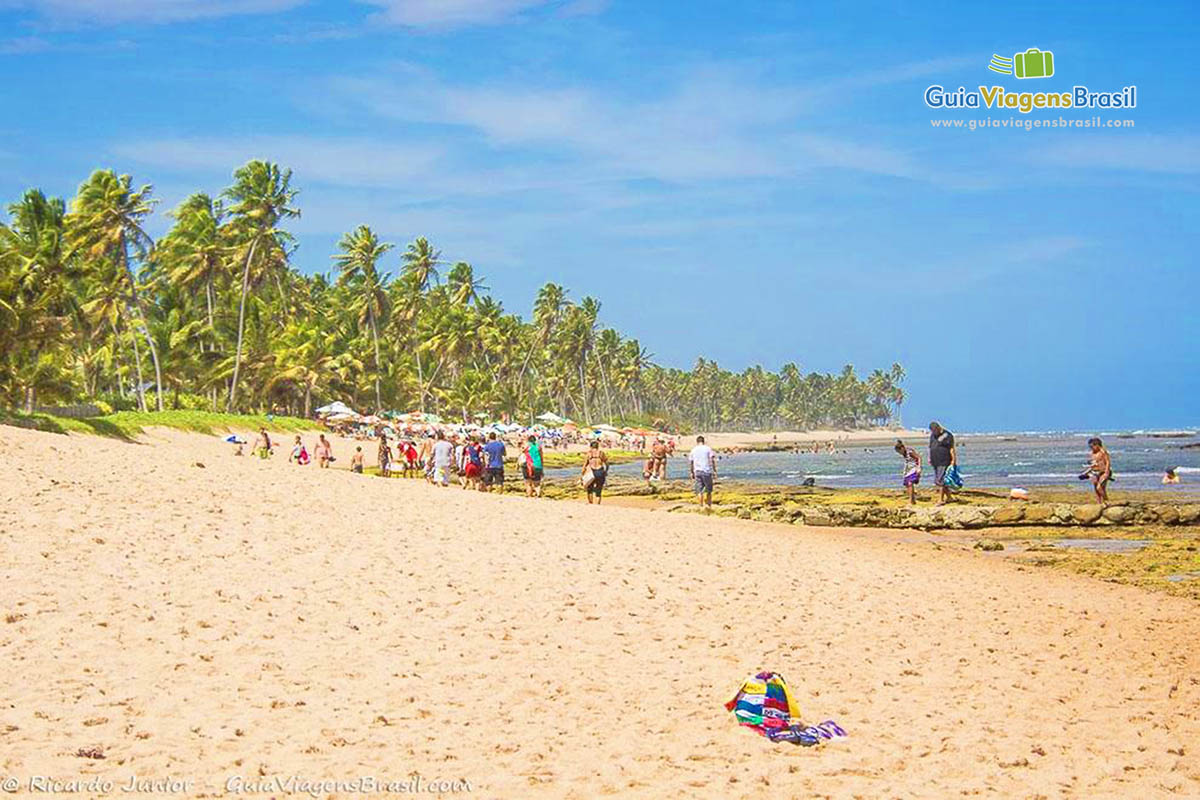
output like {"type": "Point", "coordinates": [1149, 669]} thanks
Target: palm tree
{"type": "Point", "coordinates": [106, 223]}
{"type": "Point", "coordinates": [193, 251]}
{"type": "Point", "coordinates": [420, 262]}
{"type": "Point", "coordinates": [261, 197]}
{"type": "Point", "coordinates": [35, 302]}
{"type": "Point", "coordinates": [357, 262]}
{"type": "Point", "coordinates": [464, 286]}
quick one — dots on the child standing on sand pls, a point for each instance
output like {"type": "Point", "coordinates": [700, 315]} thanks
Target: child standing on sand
{"type": "Point", "coordinates": [912, 469]}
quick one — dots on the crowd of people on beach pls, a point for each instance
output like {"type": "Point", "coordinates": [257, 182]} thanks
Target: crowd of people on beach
{"type": "Point", "coordinates": [477, 461]}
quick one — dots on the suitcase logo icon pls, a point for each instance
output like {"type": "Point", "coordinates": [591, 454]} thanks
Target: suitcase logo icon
{"type": "Point", "coordinates": [1033, 63]}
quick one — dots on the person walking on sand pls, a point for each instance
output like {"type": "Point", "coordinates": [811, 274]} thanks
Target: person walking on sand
{"type": "Point", "coordinates": [658, 452]}
{"type": "Point", "coordinates": [594, 472]}
{"type": "Point", "coordinates": [532, 453]}
{"type": "Point", "coordinates": [943, 454]}
{"type": "Point", "coordinates": [702, 464]}
{"type": "Point", "coordinates": [411, 458]}
{"type": "Point", "coordinates": [493, 454]}
{"type": "Point", "coordinates": [385, 457]}
{"type": "Point", "coordinates": [324, 452]}
{"type": "Point", "coordinates": [473, 465]}
{"type": "Point", "coordinates": [443, 458]}
{"type": "Point", "coordinates": [1099, 469]}
{"type": "Point", "coordinates": [426, 456]}
{"type": "Point", "coordinates": [299, 454]}
{"type": "Point", "coordinates": [912, 469]}
{"type": "Point", "coordinates": [356, 460]}
{"type": "Point", "coordinates": [262, 444]}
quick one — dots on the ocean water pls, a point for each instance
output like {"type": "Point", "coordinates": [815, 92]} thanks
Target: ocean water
{"type": "Point", "coordinates": [986, 461]}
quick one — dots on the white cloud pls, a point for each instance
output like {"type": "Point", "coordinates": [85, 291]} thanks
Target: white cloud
{"type": "Point", "coordinates": [450, 13]}
{"type": "Point", "coordinates": [154, 11]}
{"type": "Point", "coordinates": [23, 45]}
{"type": "Point", "coordinates": [350, 162]}
{"type": "Point", "coordinates": [1125, 151]}
{"type": "Point", "coordinates": [714, 123]}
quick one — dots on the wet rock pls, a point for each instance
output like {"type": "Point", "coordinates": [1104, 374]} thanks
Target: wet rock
{"type": "Point", "coordinates": [1167, 515]}
{"type": "Point", "coordinates": [1119, 514]}
{"type": "Point", "coordinates": [1039, 513]}
{"type": "Point", "coordinates": [1086, 515]}
{"type": "Point", "coordinates": [1008, 515]}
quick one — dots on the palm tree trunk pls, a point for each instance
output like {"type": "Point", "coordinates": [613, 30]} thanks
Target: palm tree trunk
{"type": "Point", "coordinates": [583, 394]}
{"type": "Point", "coordinates": [375, 338]}
{"type": "Point", "coordinates": [137, 303]}
{"type": "Point", "coordinates": [208, 297]}
{"type": "Point", "coordinates": [420, 385]}
{"type": "Point", "coordinates": [137, 357]}
{"type": "Point", "coordinates": [237, 359]}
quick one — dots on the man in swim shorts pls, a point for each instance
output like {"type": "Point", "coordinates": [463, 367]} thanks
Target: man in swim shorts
{"type": "Point", "coordinates": [942, 455]}
{"type": "Point", "coordinates": [493, 453]}
{"type": "Point", "coordinates": [702, 464]}
{"type": "Point", "coordinates": [324, 451]}
{"type": "Point", "coordinates": [658, 454]}
{"type": "Point", "coordinates": [443, 457]}
{"type": "Point", "coordinates": [1100, 469]}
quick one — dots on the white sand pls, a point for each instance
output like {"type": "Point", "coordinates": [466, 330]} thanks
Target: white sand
{"type": "Point", "coordinates": [251, 618]}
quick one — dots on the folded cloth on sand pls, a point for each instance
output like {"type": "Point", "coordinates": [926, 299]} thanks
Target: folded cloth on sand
{"type": "Point", "coordinates": [765, 704]}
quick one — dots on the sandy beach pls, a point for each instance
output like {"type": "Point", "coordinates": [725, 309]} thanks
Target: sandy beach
{"type": "Point", "coordinates": [187, 614]}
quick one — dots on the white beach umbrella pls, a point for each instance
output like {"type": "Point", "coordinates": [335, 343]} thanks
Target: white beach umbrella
{"type": "Point", "coordinates": [336, 407]}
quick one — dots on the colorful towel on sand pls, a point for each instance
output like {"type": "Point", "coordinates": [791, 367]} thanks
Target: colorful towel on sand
{"type": "Point", "coordinates": [765, 704]}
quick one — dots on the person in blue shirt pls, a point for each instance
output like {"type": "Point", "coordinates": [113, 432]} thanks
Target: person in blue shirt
{"type": "Point", "coordinates": [493, 453]}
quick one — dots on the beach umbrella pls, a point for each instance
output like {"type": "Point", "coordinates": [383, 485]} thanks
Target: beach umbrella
{"type": "Point", "coordinates": [606, 428]}
{"type": "Point", "coordinates": [336, 407]}
{"type": "Point", "coordinates": [551, 418]}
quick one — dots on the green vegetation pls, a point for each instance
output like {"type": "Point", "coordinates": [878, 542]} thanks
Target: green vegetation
{"type": "Point", "coordinates": [128, 424]}
{"type": "Point", "coordinates": [558, 459]}
{"type": "Point", "coordinates": [212, 317]}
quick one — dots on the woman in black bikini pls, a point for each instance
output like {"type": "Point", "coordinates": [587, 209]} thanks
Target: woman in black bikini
{"type": "Point", "coordinates": [597, 463]}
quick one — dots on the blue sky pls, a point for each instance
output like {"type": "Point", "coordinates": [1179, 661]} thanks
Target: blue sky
{"type": "Point", "coordinates": [755, 182]}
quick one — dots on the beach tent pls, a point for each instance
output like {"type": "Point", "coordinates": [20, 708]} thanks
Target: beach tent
{"type": "Point", "coordinates": [764, 702]}
{"type": "Point", "coordinates": [766, 706]}
{"type": "Point", "coordinates": [606, 428]}
{"type": "Point", "coordinates": [336, 407]}
{"type": "Point", "coordinates": [551, 418]}
{"type": "Point", "coordinates": [233, 438]}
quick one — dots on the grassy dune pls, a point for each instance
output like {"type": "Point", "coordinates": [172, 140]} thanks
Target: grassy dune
{"type": "Point", "coordinates": [127, 425]}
